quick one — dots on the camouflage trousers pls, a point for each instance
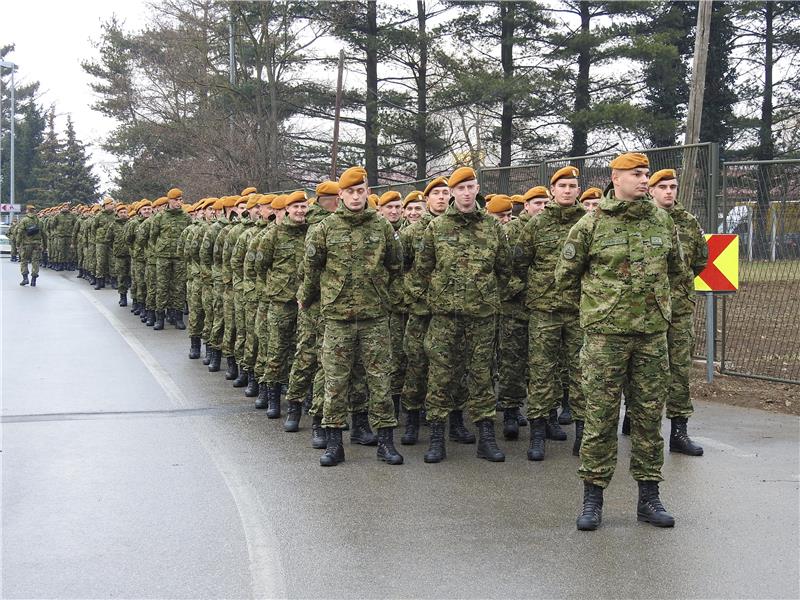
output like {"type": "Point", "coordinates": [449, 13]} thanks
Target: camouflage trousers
{"type": "Point", "coordinates": [122, 267]}
{"type": "Point", "coordinates": [460, 346]}
{"type": "Point", "coordinates": [78, 253]}
{"type": "Point", "coordinates": [282, 325]}
{"type": "Point", "coordinates": [551, 335]}
{"type": "Point", "coordinates": [170, 283]}
{"type": "Point", "coordinates": [342, 343]}
{"type": "Point", "coordinates": [513, 372]}
{"type": "Point", "coordinates": [397, 327]}
{"type": "Point", "coordinates": [415, 384]}
{"type": "Point", "coordinates": [307, 348]}
{"type": "Point", "coordinates": [150, 277]}
{"type": "Point", "coordinates": [217, 332]}
{"type": "Point", "coordinates": [240, 317]}
{"type": "Point", "coordinates": [101, 254]}
{"type": "Point", "coordinates": [89, 259]}
{"type": "Point", "coordinates": [197, 313]}
{"type": "Point", "coordinates": [30, 253]}
{"type": "Point", "coordinates": [229, 318]}
{"type": "Point", "coordinates": [251, 345]}
{"type": "Point", "coordinates": [206, 291]}
{"type": "Point", "coordinates": [680, 339]}
{"type": "Point", "coordinates": [262, 333]}
{"type": "Point", "coordinates": [138, 284]}
{"type": "Point", "coordinates": [606, 360]}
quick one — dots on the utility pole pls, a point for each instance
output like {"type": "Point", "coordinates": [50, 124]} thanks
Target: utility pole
{"type": "Point", "coordinates": [335, 148]}
{"type": "Point", "coordinates": [231, 64]}
{"type": "Point", "coordinates": [698, 84]}
{"type": "Point", "coordinates": [9, 65]}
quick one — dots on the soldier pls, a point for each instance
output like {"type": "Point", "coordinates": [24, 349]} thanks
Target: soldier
{"type": "Point", "coordinates": [623, 258]}
{"type": "Point", "coordinates": [350, 260]}
{"type": "Point", "coordinates": [213, 210]}
{"type": "Point", "coordinates": [29, 241]}
{"type": "Point", "coordinates": [591, 198]}
{"type": "Point", "coordinates": [189, 243]}
{"type": "Point", "coordinates": [120, 249]}
{"type": "Point", "coordinates": [553, 323]}
{"type": "Point", "coordinates": [461, 265]}
{"type": "Point", "coordinates": [102, 251]}
{"type": "Point", "coordinates": [129, 234]}
{"type": "Point", "coordinates": [413, 207]}
{"type": "Point", "coordinates": [500, 208]}
{"type": "Point", "coordinates": [226, 242]}
{"type": "Point", "coordinates": [12, 238]}
{"type": "Point", "coordinates": [63, 224]}
{"type": "Point", "coordinates": [170, 268]}
{"type": "Point", "coordinates": [680, 335]}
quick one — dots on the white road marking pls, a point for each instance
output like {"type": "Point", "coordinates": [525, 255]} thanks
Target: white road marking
{"type": "Point", "coordinates": [266, 574]}
{"type": "Point", "coordinates": [712, 443]}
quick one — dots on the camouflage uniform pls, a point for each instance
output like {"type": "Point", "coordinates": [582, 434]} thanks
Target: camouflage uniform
{"type": "Point", "coordinates": [244, 311]}
{"type": "Point", "coordinates": [553, 313]}
{"type": "Point", "coordinates": [253, 292]}
{"type": "Point", "coordinates": [170, 267]}
{"type": "Point", "coordinates": [462, 263]}
{"type": "Point", "coordinates": [212, 294]}
{"type": "Point", "coordinates": [398, 317]}
{"type": "Point", "coordinates": [229, 280]}
{"type": "Point", "coordinates": [30, 245]}
{"type": "Point", "coordinates": [194, 279]}
{"type": "Point", "coordinates": [102, 222]}
{"type": "Point", "coordinates": [12, 238]}
{"type": "Point", "coordinates": [350, 260]}
{"type": "Point", "coordinates": [223, 315]}
{"type": "Point", "coordinates": [120, 250]}
{"type": "Point", "coordinates": [622, 257]}
{"type": "Point", "coordinates": [63, 224]}
{"type": "Point", "coordinates": [137, 263]}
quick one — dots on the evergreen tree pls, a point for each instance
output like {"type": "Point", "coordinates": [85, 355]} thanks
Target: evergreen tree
{"type": "Point", "coordinates": [44, 188]}
{"type": "Point", "coordinates": [718, 120]}
{"type": "Point", "coordinates": [78, 183]}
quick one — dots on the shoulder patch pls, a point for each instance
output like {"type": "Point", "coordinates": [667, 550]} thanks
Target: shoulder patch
{"type": "Point", "coordinates": [569, 251]}
{"type": "Point", "coordinates": [310, 250]}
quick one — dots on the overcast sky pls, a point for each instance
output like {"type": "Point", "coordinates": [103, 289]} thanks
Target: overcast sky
{"type": "Point", "coordinates": [52, 37]}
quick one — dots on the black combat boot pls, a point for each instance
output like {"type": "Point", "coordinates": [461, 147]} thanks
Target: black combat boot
{"type": "Point", "coordinates": [99, 283]}
{"type": "Point", "coordinates": [216, 359]}
{"type": "Point", "coordinates": [538, 435]}
{"type": "Point", "coordinates": [92, 279]}
{"type": "Point", "coordinates": [511, 423]}
{"type": "Point", "coordinates": [170, 317]}
{"type": "Point", "coordinates": [113, 283]}
{"type": "Point", "coordinates": [436, 451]}
{"type": "Point", "coordinates": [626, 424]}
{"type": "Point", "coordinates": [123, 299]}
{"type": "Point", "coordinates": [576, 445]}
{"type": "Point", "coordinates": [159, 324]}
{"type": "Point", "coordinates": [554, 431]}
{"type": "Point", "coordinates": [263, 395]}
{"type": "Point", "coordinates": [178, 318]}
{"type": "Point", "coordinates": [334, 450]}
{"type": "Point", "coordinates": [649, 508]}
{"type": "Point", "coordinates": [458, 431]}
{"type": "Point", "coordinates": [521, 420]}
{"type": "Point", "coordinates": [679, 440]}
{"type": "Point", "coordinates": [273, 400]}
{"type": "Point", "coordinates": [137, 309]}
{"type": "Point", "coordinates": [487, 444]}
{"type": "Point", "coordinates": [252, 389]}
{"type": "Point", "coordinates": [33, 280]}
{"type": "Point", "coordinates": [319, 435]}
{"type": "Point", "coordinates": [194, 347]}
{"type": "Point", "coordinates": [386, 450]}
{"type": "Point", "coordinates": [361, 432]}
{"type": "Point", "coordinates": [411, 434]}
{"type": "Point", "coordinates": [207, 356]}
{"type": "Point", "coordinates": [565, 418]}
{"type": "Point", "coordinates": [233, 371]}
{"type": "Point", "coordinates": [241, 378]}
{"type": "Point", "coordinates": [80, 274]}
{"type": "Point", "coordinates": [151, 318]}
{"type": "Point", "coordinates": [592, 513]}
{"type": "Point", "coordinates": [24, 279]}
{"type": "Point", "coordinates": [293, 413]}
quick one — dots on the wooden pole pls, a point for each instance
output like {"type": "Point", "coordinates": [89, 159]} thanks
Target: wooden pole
{"type": "Point", "coordinates": [335, 148]}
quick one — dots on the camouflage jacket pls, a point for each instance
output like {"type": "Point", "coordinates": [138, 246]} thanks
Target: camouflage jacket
{"type": "Point", "coordinates": [253, 277]}
{"type": "Point", "coordinates": [129, 233]}
{"type": "Point", "coordinates": [115, 238]}
{"type": "Point", "coordinates": [513, 296]}
{"type": "Point", "coordinates": [31, 222]}
{"type": "Point", "coordinates": [462, 263]}
{"type": "Point", "coordinates": [695, 255]}
{"type": "Point", "coordinates": [623, 258]}
{"type": "Point", "coordinates": [536, 254]}
{"type": "Point", "coordinates": [63, 224]}
{"type": "Point", "coordinates": [228, 273]}
{"type": "Point", "coordinates": [281, 251]}
{"type": "Point", "coordinates": [166, 230]}
{"type": "Point", "coordinates": [315, 215]}
{"type": "Point", "coordinates": [239, 256]}
{"type": "Point", "coordinates": [102, 221]}
{"type": "Point", "coordinates": [206, 253]}
{"type": "Point", "coordinates": [219, 272]}
{"type": "Point", "coordinates": [410, 237]}
{"type": "Point", "coordinates": [141, 243]}
{"type": "Point", "coordinates": [349, 261]}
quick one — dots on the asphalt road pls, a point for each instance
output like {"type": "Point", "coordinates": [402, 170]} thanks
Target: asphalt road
{"type": "Point", "coordinates": [130, 471]}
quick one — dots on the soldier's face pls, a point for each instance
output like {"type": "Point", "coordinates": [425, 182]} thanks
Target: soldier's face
{"type": "Point", "coordinates": [413, 211]}
{"type": "Point", "coordinates": [393, 211]}
{"type": "Point", "coordinates": [241, 207]}
{"type": "Point", "coordinates": [355, 197]}
{"type": "Point", "coordinates": [438, 199]}
{"type": "Point", "coordinates": [630, 184]}
{"type": "Point", "coordinates": [503, 217]}
{"type": "Point", "coordinates": [297, 212]}
{"type": "Point", "coordinates": [109, 207]}
{"type": "Point", "coordinates": [535, 206]}
{"type": "Point", "coordinates": [565, 191]}
{"type": "Point", "coordinates": [329, 203]}
{"type": "Point", "coordinates": [146, 211]}
{"type": "Point", "coordinates": [590, 204]}
{"type": "Point", "coordinates": [464, 195]}
{"type": "Point", "coordinates": [665, 192]}
{"type": "Point", "coordinates": [174, 203]}
{"type": "Point", "coordinates": [267, 211]}
{"type": "Point", "coordinates": [122, 214]}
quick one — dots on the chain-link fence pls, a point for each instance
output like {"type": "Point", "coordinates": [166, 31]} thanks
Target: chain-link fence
{"type": "Point", "coordinates": [404, 188]}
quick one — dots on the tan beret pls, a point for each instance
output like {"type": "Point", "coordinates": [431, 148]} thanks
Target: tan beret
{"type": "Point", "coordinates": [279, 202]}
{"type": "Point", "coordinates": [569, 172]}
{"type": "Point", "coordinates": [663, 174]}
{"type": "Point", "coordinates": [160, 202]}
{"type": "Point", "coordinates": [592, 192]}
{"type": "Point", "coordinates": [415, 196]}
{"type": "Point", "coordinates": [218, 204]}
{"type": "Point", "coordinates": [438, 182]}
{"type": "Point", "coordinates": [298, 196]}
{"type": "Point", "coordinates": [248, 190]}
{"type": "Point", "coordinates": [390, 196]}
{"type": "Point", "coordinates": [266, 199]}
{"type": "Point", "coordinates": [538, 191]}
{"type": "Point", "coordinates": [630, 160]}
{"type": "Point", "coordinates": [106, 201]}
{"type": "Point", "coordinates": [461, 175]}
{"type": "Point", "coordinates": [252, 200]}
{"type": "Point", "coordinates": [174, 194]}
{"type": "Point", "coordinates": [517, 199]}
{"type": "Point", "coordinates": [353, 176]}
{"type": "Point", "coordinates": [372, 200]}
{"type": "Point", "coordinates": [327, 188]}
{"type": "Point", "coordinates": [499, 203]}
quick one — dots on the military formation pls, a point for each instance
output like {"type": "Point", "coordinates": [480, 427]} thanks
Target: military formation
{"type": "Point", "coordinates": [436, 309]}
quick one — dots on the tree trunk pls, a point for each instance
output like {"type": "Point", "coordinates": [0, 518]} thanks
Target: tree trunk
{"type": "Point", "coordinates": [766, 149]}
{"type": "Point", "coordinates": [507, 14]}
{"type": "Point", "coordinates": [371, 127]}
{"type": "Point", "coordinates": [422, 91]}
{"type": "Point", "coordinates": [580, 135]}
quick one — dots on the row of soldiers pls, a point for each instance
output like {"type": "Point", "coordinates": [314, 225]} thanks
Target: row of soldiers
{"type": "Point", "coordinates": [435, 305]}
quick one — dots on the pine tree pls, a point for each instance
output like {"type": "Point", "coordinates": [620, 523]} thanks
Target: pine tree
{"type": "Point", "coordinates": [78, 183]}
{"type": "Point", "coordinates": [44, 188]}
{"type": "Point", "coordinates": [718, 120]}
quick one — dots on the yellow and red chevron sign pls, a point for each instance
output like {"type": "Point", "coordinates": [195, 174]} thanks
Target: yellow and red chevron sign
{"type": "Point", "coordinates": [722, 271]}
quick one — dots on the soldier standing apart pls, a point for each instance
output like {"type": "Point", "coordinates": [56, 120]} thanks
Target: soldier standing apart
{"type": "Point", "coordinates": [170, 268]}
{"type": "Point", "coordinates": [350, 258]}
{"type": "Point", "coordinates": [680, 335]}
{"type": "Point", "coordinates": [623, 258]}
{"type": "Point", "coordinates": [462, 264]}
{"type": "Point", "coordinates": [29, 242]}
{"type": "Point", "coordinates": [553, 328]}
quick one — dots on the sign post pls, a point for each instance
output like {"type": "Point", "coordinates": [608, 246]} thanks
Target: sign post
{"type": "Point", "coordinates": [721, 276]}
